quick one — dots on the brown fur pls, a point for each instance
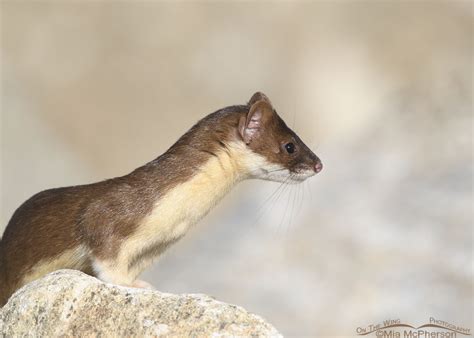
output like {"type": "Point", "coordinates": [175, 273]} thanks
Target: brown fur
{"type": "Point", "coordinates": [100, 216]}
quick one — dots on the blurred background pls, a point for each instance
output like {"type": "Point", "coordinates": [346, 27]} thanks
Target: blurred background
{"type": "Point", "coordinates": [381, 91]}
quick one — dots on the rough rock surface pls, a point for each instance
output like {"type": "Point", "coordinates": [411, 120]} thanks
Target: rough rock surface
{"type": "Point", "coordinates": [70, 303]}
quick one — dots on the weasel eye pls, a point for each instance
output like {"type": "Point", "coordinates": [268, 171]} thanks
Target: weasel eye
{"type": "Point", "coordinates": [290, 148]}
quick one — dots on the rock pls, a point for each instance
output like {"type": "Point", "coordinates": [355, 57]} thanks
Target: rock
{"type": "Point", "coordinates": [71, 303]}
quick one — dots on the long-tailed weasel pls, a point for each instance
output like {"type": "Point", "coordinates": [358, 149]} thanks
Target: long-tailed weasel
{"type": "Point", "coordinates": [113, 229]}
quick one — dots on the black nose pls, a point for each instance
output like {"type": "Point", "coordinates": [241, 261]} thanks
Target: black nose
{"type": "Point", "coordinates": [318, 167]}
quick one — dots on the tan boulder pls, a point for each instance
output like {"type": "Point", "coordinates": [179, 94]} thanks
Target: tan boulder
{"type": "Point", "coordinates": [70, 303]}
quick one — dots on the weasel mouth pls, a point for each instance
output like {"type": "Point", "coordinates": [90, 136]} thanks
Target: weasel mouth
{"type": "Point", "coordinates": [302, 175]}
{"type": "Point", "coordinates": [303, 172]}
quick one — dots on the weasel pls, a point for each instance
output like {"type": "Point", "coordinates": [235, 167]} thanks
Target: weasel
{"type": "Point", "coordinates": [114, 229]}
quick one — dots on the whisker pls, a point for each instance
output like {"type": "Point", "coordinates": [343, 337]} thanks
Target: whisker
{"type": "Point", "coordinates": [301, 200]}
{"type": "Point", "coordinates": [286, 209]}
{"type": "Point", "coordinates": [273, 197]}
{"type": "Point", "coordinates": [298, 201]}
{"type": "Point", "coordinates": [276, 201]}
{"type": "Point", "coordinates": [281, 226]}
{"type": "Point", "coordinates": [262, 209]}
{"type": "Point", "coordinates": [293, 198]}
{"type": "Point", "coordinates": [310, 192]}
{"type": "Point", "coordinates": [268, 171]}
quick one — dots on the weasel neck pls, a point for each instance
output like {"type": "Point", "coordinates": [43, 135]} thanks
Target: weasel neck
{"type": "Point", "coordinates": [183, 205]}
{"type": "Point", "coordinates": [191, 199]}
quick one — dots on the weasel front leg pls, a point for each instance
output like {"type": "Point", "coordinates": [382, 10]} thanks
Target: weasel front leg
{"type": "Point", "coordinates": [115, 273]}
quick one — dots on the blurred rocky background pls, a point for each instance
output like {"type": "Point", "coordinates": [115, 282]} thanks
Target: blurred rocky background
{"type": "Point", "coordinates": [382, 91]}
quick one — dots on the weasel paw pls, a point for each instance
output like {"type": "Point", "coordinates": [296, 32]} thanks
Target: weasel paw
{"type": "Point", "coordinates": [142, 285]}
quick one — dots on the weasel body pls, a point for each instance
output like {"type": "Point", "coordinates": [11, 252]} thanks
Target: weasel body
{"type": "Point", "coordinates": [115, 228]}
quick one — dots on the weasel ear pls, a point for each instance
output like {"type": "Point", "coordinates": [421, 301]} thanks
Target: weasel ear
{"type": "Point", "coordinates": [259, 96]}
{"type": "Point", "coordinates": [253, 124]}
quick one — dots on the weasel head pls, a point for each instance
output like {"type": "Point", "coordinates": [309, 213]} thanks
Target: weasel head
{"type": "Point", "coordinates": [278, 153]}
